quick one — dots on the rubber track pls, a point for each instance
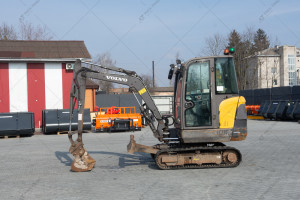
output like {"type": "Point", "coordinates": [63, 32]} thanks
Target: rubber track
{"type": "Point", "coordinates": [194, 166]}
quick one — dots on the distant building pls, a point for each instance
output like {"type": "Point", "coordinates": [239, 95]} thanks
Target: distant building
{"type": "Point", "coordinates": [90, 95]}
{"type": "Point", "coordinates": [37, 75]}
{"type": "Point", "coordinates": [162, 91]}
{"type": "Point", "coordinates": [162, 96]}
{"type": "Point", "coordinates": [118, 91]}
{"type": "Point", "coordinates": [156, 91]}
{"type": "Point", "coordinates": [273, 67]}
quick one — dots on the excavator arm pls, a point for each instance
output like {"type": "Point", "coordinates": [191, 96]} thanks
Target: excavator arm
{"type": "Point", "coordinates": [82, 160]}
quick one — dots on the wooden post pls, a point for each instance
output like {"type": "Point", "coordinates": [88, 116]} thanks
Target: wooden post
{"type": "Point", "coordinates": [153, 79]}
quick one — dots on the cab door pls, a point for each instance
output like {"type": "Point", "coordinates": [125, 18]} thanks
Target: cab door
{"type": "Point", "coordinates": [177, 107]}
{"type": "Point", "coordinates": [197, 98]}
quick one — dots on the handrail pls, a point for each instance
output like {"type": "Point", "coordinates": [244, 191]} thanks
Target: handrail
{"type": "Point", "coordinates": [122, 110]}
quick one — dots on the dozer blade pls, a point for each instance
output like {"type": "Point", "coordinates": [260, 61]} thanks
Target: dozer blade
{"type": "Point", "coordinates": [82, 160]}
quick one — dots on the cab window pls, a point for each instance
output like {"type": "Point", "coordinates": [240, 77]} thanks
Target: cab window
{"type": "Point", "coordinates": [225, 76]}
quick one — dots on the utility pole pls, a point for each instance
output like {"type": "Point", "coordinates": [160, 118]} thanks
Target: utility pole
{"type": "Point", "coordinates": [153, 79]}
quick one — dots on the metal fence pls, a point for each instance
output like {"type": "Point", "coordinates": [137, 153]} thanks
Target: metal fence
{"type": "Point", "coordinates": [257, 96]}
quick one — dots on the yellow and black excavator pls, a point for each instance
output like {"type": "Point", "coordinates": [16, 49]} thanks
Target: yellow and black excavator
{"type": "Point", "coordinates": [207, 111]}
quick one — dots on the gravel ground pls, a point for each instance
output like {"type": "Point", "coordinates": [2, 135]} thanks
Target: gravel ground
{"type": "Point", "coordinates": [38, 167]}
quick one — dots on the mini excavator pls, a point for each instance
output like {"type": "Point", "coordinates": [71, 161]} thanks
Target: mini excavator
{"type": "Point", "coordinates": [207, 111]}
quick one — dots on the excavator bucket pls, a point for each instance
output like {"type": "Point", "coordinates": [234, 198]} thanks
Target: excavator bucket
{"type": "Point", "coordinates": [82, 160]}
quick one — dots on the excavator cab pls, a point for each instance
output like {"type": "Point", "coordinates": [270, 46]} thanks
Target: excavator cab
{"type": "Point", "coordinates": [206, 100]}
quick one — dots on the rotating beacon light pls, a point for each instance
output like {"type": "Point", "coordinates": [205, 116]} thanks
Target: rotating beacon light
{"type": "Point", "coordinates": [228, 51]}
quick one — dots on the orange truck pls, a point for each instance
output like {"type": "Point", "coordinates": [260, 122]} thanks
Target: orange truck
{"type": "Point", "coordinates": [117, 119]}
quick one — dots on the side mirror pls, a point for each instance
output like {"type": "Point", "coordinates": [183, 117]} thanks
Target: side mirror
{"type": "Point", "coordinates": [171, 71]}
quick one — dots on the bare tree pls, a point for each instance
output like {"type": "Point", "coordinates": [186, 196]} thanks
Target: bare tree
{"type": "Point", "coordinates": [248, 34]}
{"type": "Point", "coordinates": [7, 32]}
{"type": "Point", "coordinates": [244, 49]}
{"type": "Point", "coordinates": [275, 72]}
{"type": "Point", "coordinates": [214, 45]}
{"type": "Point", "coordinates": [30, 32]}
{"type": "Point", "coordinates": [274, 42]}
{"type": "Point", "coordinates": [26, 31]}
{"type": "Point", "coordinates": [252, 72]}
{"type": "Point", "coordinates": [104, 59]}
{"type": "Point", "coordinates": [147, 79]}
{"type": "Point", "coordinates": [271, 67]}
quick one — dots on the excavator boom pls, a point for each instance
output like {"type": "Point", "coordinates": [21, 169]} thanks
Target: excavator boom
{"type": "Point", "coordinates": [83, 161]}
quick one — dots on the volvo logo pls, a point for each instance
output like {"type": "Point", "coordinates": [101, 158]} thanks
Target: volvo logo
{"type": "Point", "coordinates": [116, 78]}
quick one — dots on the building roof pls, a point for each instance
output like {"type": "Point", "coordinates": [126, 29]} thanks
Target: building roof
{"type": "Point", "coordinates": [119, 90]}
{"type": "Point", "coordinates": [151, 90]}
{"type": "Point", "coordinates": [38, 49]}
{"type": "Point", "coordinates": [162, 89]}
{"type": "Point", "coordinates": [269, 52]}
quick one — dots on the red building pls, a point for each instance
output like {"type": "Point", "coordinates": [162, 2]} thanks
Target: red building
{"type": "Point", "coordinates": [37, 75]}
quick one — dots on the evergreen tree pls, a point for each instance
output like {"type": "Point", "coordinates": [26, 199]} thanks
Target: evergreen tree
{"type": "Point", "coordinates": [234, 39]}
{"type": "Point", "coordinates": [261, 40]}
{"type": "Point", "coordinates": [246, 44]}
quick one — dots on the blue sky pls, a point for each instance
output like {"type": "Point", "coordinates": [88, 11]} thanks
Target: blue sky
{"type": "Point", "coordinates": [135, 32]}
